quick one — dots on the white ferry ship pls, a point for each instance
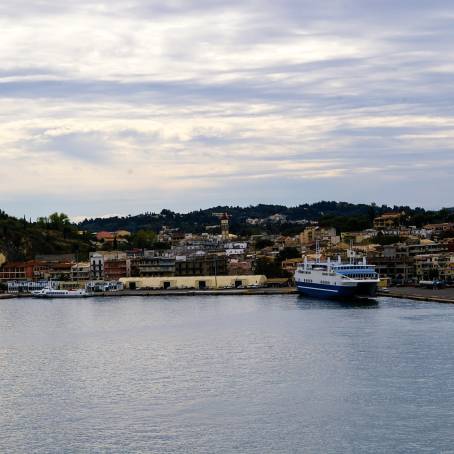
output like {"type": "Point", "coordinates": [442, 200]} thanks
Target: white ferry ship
{"type": "Point", "coordinates": [53, 293]}
{"type": "Point", "coordinates": [334, 279]}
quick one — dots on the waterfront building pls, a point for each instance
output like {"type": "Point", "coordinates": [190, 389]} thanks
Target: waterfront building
{"type": "Point", "coordinates": [434, 266]}
{"type": "Point", "coordinates": [116, 266]}
{"type": "Point", "coordinates": [24, 270]}
{"type": "Point", "coordinates": [153, 265]}
{"type": "Point", "coordinates": [394, 262]}
{"type": "Point", "coordinates": [194, 282]}
{"type": "Point", "coordinates": [398, 261]}
{"type": "Point", "coordinates": [201, 265]}
{"type": "Point", "coordinates": [96, 265]}
{"type": "Point", "coordinates": [59, 271]}
{"type": "Point", "coordinates": [80, 271]}
{"type": "Point", "coordinates": [109, 265]}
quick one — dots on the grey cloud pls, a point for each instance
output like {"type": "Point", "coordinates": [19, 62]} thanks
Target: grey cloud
{"type": "Point", "coordinates": [401, 69]}
{"type": "Point", "coordinates": [90, 147]}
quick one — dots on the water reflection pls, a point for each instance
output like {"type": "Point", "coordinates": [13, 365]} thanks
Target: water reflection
{"type": "Point", "coordinates": [303, 302]}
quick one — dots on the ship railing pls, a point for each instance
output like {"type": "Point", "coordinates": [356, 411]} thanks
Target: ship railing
{"type": "Point", "coordinates": [361, 278]}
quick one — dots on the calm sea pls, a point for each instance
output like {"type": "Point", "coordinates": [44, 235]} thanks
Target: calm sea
{"type": "Point", "coordinates": [252, 374]}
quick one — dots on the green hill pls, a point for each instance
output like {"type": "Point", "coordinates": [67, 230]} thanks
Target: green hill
{"type": "Point", "coordinates": [342, 215]}
{"type": "Point", "coordinates": [20, 239]}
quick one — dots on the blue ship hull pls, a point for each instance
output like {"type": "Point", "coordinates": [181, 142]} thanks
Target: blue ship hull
{"type": "Point", "coordinates": [334, 291]}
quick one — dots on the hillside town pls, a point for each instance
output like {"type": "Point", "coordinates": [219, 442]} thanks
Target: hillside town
{"type": "Point", "coordinates": [403, 255]}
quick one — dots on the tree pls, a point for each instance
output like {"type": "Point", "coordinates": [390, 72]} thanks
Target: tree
{"type": "Point", "coordinates": [270, 268]}
{"type": "Point", "coordinates": [59, 221]}
{"type": "Point", "coordinates": [288, 253]}
{"type": "Point", "coordinates": [262, 243]}
{"type": "Point", "coordinates": [161, 246]}
{"type": "Point", "coordinates": [143, 239]}
{"type": "Point", "coordinates": [43, 222]}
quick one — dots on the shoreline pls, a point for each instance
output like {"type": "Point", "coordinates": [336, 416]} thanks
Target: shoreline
{"type": "Point", "coordinates": [7, 296]}
{"type": "Point", "coordinates": [194, 292]}
{"type": "Point", "coordinates": [191, 292]}
{"type": "Point", "coordinates": [444, 296]}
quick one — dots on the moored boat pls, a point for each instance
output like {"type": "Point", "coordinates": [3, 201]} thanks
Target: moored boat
{"type": "Point", "coordinates": [336, 279]}
{"type": "Point", "coordinates": [54, 293]}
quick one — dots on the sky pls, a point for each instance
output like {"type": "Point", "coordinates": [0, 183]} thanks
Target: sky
{"type": "Point", "coordinates": [128, 106]}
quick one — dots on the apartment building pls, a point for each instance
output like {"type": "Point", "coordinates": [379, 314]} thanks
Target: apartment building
{"type": "Point", "coordinates": [388, 221]}
{"type": "Point", "coordinates": [201, 265]}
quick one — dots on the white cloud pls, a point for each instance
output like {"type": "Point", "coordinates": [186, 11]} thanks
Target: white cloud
{"type": "Point", "coordinates": [116, 107]}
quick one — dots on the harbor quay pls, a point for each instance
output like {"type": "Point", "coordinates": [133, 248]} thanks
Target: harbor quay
{"type": "Point", "coordinates": [440, 295]}
{"type": "Point", "coordinates": [193, 292]}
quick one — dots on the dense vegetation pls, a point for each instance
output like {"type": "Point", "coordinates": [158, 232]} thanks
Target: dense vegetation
{"type": "Point", "coordinates": [344, 216]}
{"type": "Point", "coordinates": [21, 239]}
{"type": "Point", "coordinates": [273, 268]}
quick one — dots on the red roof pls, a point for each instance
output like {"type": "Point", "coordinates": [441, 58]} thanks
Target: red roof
{"type": "Point", "coordinates": [105, 236]}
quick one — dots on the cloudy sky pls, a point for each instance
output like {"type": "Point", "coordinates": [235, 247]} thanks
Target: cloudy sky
{"type": "Point", "coordinates": [128, 106]}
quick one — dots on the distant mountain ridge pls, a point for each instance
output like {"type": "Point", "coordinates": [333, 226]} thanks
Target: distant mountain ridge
{"type": "Point", "coordinates": [196, 221]}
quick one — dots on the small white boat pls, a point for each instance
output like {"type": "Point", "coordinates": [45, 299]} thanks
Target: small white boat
{"type": "Point", "coordinates": [53, 293]}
